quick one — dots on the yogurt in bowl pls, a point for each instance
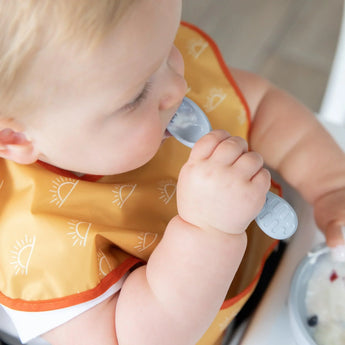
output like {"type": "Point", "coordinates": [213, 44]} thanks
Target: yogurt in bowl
{"type": "Point", "coordinates": [317, 300]}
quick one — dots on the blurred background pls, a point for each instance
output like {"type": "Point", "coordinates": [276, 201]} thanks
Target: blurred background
{"type": "Point", "coordinates": [290, 42]}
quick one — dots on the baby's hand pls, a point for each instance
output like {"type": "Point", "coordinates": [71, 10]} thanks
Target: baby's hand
{"type": "Point", "coordinates": [222, 186]}
{"type": "Point", "coordinates": [329, 213]}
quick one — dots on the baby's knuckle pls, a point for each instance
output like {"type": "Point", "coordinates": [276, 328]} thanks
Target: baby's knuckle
{"type": "Point", "coordinates": [231, 142]}
{"type": "Point", "coordinates": [236, 141]}
{"type": "Point", "coordinates": [199, 172]}
{"type": "Point", "coordinates": [239, 139]}
{"type": "Point", "coordinates": [255, 158]}
{"type": "Point", "coordinates": [267, 176]}
{"type": "Point", "coordinates": [209, 140]}
{"type": "Point", "coordinates": [263, 178]}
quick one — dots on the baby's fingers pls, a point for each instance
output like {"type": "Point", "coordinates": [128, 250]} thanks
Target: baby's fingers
{"type": "Point", "coordinates": [329, 212]}
{"type": "Point", "coordinates": [205, 147]}
{"type": "Point", "coordinates": [249, 164]}
{"type": "Point", "coordinates": [263, 179]}
{"type": "Point", "coordinates": [335, 234]}
{"type": "Point", "coordinates": [335, 238]}
{"type": "Point", "coordinates": [229, 150]}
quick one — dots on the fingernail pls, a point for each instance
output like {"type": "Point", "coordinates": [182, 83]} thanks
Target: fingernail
{"type": "Point", "coordinates": [338, 253]}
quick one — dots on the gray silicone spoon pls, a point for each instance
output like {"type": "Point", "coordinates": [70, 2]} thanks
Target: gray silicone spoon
{"type": "Point", "coordinates": [277, 218]}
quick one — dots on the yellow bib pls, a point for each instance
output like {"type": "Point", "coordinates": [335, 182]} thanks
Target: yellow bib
{"type": "Point", "coordinates": [65, 240]}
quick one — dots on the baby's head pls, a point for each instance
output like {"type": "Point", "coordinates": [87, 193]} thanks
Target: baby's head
{"type": "Point", "coordinates": [88, 85]}
{"type": "Point", "coordinates": [29, 26]}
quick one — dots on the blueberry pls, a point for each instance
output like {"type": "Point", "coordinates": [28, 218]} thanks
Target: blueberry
{"type": "Point", "coordinates": [312, 321]}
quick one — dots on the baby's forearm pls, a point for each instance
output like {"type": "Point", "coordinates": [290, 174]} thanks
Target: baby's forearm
{"type": "Point", "coordinates": [175, 297]}
{"type": "Point", "coordinates": [294, 143]}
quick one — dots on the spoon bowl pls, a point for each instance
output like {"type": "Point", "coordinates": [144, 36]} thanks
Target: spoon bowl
{"type": "Point", "coordinates": [189, 123]}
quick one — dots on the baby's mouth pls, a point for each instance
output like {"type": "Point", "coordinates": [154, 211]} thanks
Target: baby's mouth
{"type": "Point", "coordinates": [166, 134]}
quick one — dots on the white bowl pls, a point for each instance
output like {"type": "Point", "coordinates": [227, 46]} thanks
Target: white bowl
{"type": "Point", "coordinates": [298, 316]}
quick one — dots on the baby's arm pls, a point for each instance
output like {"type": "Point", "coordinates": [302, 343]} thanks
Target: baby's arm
{"type": "Point", "coordinates": [293, 142]}
{"type": "Point", "coordinates": [175, 297]}
{"type": "Point", "coordinates": [220, 190]}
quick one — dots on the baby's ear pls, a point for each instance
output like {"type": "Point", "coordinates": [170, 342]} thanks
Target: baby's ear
{"type": "Point", "coordinates": [15, 146]}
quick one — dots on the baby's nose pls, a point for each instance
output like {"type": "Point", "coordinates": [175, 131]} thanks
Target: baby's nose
{"type": "Point", "coordinates": [176, 86]}
{"type": "Point", "coordinates": [175, 60]}
{"type": "Point", "coordinates": [175, 92]}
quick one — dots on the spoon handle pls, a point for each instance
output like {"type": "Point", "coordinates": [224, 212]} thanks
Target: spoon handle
{"type": "Point", "coordinates": [277, 218]}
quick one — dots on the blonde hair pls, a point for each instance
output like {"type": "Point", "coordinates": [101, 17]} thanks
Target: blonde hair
{"type": "Point", "coordinates": [27, 25]}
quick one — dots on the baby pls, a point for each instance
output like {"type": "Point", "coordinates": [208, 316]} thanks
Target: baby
{"type": "Point", "coordinates": [87, 91]}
